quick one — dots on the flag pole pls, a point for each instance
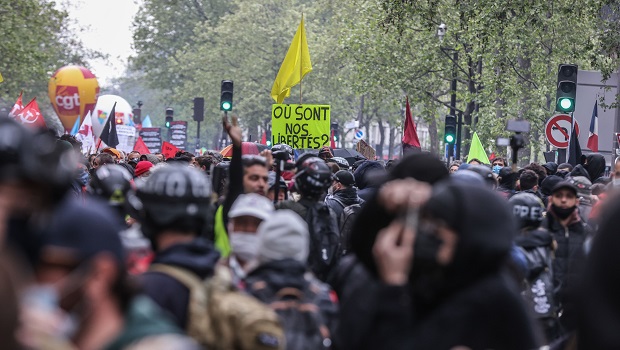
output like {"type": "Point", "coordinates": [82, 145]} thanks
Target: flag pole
{"type": "Point", "coordinates": [301, 65]}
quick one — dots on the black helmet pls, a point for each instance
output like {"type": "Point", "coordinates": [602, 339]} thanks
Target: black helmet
{"type": "Point", "coordinates": [174, 197]}
{"type": "Point", "coordinates": [111, 182]}
{"type": "Point", "coordinates": [313, 177]}
{"type": "Point", "coordinates": [283, 147]}
{"type": "Point", "coordinates": [14, 140]}
{"type": "Point", "coordinates": [528, 209]}
{"type": "Point", "coordinates": [50, 164]}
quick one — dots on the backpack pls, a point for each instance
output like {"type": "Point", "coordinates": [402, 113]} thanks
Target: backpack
{"type": "Point", "coordinates": [304, 326]}
{"type": "Point", "coordinates": [325, 249]}
{"type": "Point", "coordinates": [222, 319]}
{"type": "Point", "coordinates": [539, 292]}
{"type": "Point", "coordinates": [345, 223]}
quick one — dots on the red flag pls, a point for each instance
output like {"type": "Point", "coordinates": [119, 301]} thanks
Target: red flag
{"type": "Point", "coordinates": [410, 135]}
{"type": "Point", "coordinates": [141, 147]}
{"type": "Point", "coordinates": [332, 142]}
{"type": "Point", "coordinates": [168, 149]}
{"type": "Point", "coordinates": [263, 140]}
{"type": "Point", "coordinates": [19, 105]}
{"type": "Point", "coordinates": [31, 115]}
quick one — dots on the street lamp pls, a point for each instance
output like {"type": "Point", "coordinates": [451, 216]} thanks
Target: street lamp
{"type": "Point", "coordinates": [441, 33]}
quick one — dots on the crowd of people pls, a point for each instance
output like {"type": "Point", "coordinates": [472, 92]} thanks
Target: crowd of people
{"type": "Point", "coordinates": [301, 251]}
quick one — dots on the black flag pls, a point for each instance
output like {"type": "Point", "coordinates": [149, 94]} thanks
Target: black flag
{"type": "Point", "coordinates": [574, 150]}
{"type": "Point", "coordinates": [109, 135]}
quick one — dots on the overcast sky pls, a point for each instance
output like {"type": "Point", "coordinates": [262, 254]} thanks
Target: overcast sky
{"type": "Point", "coordinates": [107, 28]}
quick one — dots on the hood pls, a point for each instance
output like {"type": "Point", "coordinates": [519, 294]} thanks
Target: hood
{"type": "Point", "coordinates": [485, 230]}
{"type": "Point", "coordinates": [580, 170]}
{"type": "Point", "coordinates": [533, 239]}
{"type": "Point", "coordinates": [595, 165]}
{"type": "Point", "coordinates": [198, 256]}
{"type": "Point", "coordinates": [549, 183]}
{"type": "Point", "coordinates": [280, 274]}
{"type": "Point", "coordinates": [348, 196]}
{"type": "Point", "coordinates": [367, 172]}
{"type": "Point", "coordinates": [551, 166]}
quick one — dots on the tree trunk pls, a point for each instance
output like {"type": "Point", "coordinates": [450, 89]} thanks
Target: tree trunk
{"type": "Point", "coordinates": [391, 141]}
{"type": "Point", "coordinates": [381, 138]}
{"type": "Point", "coordinates": [432, 131]}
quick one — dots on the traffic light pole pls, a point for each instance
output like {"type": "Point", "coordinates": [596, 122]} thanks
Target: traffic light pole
{"type": "Point", "coordinates": [459, 126]}
{"type": "Point", "coordinates": [198, 136]}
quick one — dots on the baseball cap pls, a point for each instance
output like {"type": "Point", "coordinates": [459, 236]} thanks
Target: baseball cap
{"type": "Point", "coordinates": [84, 229]}
{"type": "Point", "coordinates": [112, 151]}
{"type": "Point", "coordinates": [251, 204]}
{"type": "Point", "coordinates": [345, 178]}
{"type": "Point", "coordinates": [564, 184]}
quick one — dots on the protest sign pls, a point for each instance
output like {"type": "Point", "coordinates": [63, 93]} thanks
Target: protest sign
{"type": "Point", "coordinates": [366, 150]}
{"type": "Point", "coordinates": [300, 126]}
{"type": "Point", "coordinates": [152, 138]}
{"type": "Point", "coordinates": [126, 138]}
{"type": "Point", "coordinates": [178, 134]}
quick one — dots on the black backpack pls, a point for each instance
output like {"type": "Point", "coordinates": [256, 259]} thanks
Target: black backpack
{"type": "Point", "coordinates": [325, 249]}
{"type": "Point", "coordinates": [304, 326]}
{"type": "Point", "coordinates": [345, 223]}
{"type": "Point", "coordinates": [538, 289]}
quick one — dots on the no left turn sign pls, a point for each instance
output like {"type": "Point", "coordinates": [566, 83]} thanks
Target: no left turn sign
{"type": "Point", "coordinates": [557, 130]}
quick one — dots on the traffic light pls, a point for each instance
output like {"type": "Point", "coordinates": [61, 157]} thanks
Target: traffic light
{"type": "Point", "coordinates": [567, 88]}
{"type": "Point", "coordinates": [336, 131]}
{"type": "Point", "coordinates": [226, 97]}
{"type": "Point", "coordinates": [169, 116]}
{"type": "Point", "coordinates": [199, 109]}
{"type": "Point", "coordinates": [450, 130]}
{"type": "Point", "coordinates": [119, 120]}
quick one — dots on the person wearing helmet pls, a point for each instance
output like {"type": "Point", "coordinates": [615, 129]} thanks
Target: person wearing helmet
{"type": "Point", "coordinates": [312, 180]}
{"type": "Point", "coordinates": [173, 208]}
{"type": "Point", "coordinates": [537, 246]}
{"type": "Point", "coordinates": [111, 183]}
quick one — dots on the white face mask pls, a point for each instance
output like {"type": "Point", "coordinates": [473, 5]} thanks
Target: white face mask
{"type": "Point", "coordinates": [244, 245]}
{"type": "Point", "coordinates": [616, 182]}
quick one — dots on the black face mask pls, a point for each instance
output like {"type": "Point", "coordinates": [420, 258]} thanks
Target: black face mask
{"type": "Point", "coordinates": [425, 251]}
{"type": "Point", "coordinates": [562, 213]}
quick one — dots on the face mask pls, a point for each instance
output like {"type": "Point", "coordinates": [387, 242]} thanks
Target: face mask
{"type": "Point", "coordinates": [425, 251]}
{"type": "Point", "coordinates": [496, 169]}
{"type": "Point", "coordinates": [244, 245]}
{"type": "Point", "coordinates": [562, 213]}
{"type": "Point", "coordinates": [616, 182]}
{"type": "Point", "coordinates": [330, 191]}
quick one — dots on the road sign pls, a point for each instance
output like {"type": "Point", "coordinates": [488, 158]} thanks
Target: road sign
{"type": "Point", "coordinates": [352, 124]}
{"type": "Point", "coordinates": [359, 134]}
{"type": "Point", "coordinates": [557, 130]}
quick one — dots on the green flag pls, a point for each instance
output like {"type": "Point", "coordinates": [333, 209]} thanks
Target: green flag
{"type": "Point", "coordinates": [477, 151]}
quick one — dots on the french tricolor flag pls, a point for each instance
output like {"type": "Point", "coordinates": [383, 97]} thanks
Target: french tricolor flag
{"type": "Point", "coordinates": [593, 137]}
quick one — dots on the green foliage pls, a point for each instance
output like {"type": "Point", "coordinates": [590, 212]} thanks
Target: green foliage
{"type": "Point", "coordinates": [35, 42]}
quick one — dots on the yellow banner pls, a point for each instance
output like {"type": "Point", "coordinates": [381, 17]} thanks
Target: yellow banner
{"type": "Point", "coordinates": [300, 126]}
{"type": "Point", "coordinates": [1, 78]}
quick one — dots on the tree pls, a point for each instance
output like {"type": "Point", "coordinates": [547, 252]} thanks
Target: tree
{"type": "Point", "coordinates": [36, 40]}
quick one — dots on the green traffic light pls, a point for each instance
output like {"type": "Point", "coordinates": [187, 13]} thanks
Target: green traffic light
{"type": "Point", "coordinates": [226, 106]}
{"type": "Point", "coordinates": [565, 104]}
{"type": "Point", "coordinates": [449, 138]}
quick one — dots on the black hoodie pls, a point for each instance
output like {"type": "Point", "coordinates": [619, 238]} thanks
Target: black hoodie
{"type": "Point", "coordinates": [473, 304]}
{"type": "Point", "coordinates": [367, 178]}
{"type": "Point", "coordinates": [599, 319]}
{"type": "Point", "coordinates": [595, 165]}
{"type": "Point", "coordinates": [198, 256]}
